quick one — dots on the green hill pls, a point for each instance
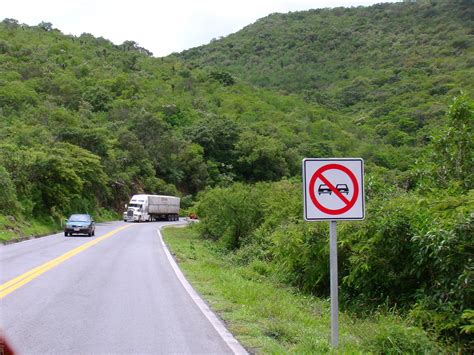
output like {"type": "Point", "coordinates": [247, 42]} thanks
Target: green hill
{"type": "Point", "coordinates": [86, 123]}
{"type": "Point", "coordinates": [392, 68]}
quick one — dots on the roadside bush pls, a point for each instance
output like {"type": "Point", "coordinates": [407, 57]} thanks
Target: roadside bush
{"type": "Point", "coordinates": [231, 214]}
{"type": "Point", "coordinates": [301, 256]}
{"type": "Point", "coordinates": [396, 338]}
{"type": "Point", "coordinates": [381, 252]}
{"type": "Point", "coordinates": [8, 199]}
{"type": "Point", "coordinates": [412, 254]}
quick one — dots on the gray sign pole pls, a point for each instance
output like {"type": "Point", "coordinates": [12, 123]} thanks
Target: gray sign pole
{"type": "Point", "coordinates": [334, 285]}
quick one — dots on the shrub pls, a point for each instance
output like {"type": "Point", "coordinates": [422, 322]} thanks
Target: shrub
{"type": "Point", "coordinates": [8, 199]}
{"type": "Point", "coordinates": [230, 214]}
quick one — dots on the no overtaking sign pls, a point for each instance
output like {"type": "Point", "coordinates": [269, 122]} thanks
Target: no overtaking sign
{"type": "Point", "coordinates": [333, 189]}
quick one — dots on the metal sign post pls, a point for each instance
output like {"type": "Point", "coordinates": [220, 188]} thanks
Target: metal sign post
{"type": "Point", "coordinates": [334, 284]}
{"type": "Point", "coordinates": [333, 191]}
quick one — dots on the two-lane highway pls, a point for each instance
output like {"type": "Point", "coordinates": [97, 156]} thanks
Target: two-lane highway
{"type": "Point", "coordinates": [112, 293]}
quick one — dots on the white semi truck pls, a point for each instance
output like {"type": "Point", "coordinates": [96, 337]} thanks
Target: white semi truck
{"type": "Point", "coordinates": [147, 208]}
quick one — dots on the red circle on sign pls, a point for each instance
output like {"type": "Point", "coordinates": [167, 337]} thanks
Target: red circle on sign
{"type": "Point", "coordinates": [319, 173]}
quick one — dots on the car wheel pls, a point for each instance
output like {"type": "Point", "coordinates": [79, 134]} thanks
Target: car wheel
{"type": "Point", "coordinates": [66, 234]}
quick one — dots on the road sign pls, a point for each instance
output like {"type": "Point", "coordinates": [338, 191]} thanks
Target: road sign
{"type": "Point", "coordinates": [333, 189]}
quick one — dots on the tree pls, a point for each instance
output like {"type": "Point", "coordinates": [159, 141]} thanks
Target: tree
{"type": "Point", "coordinates": [8, 199]}
{"type": "Point", "coordinates": [454, 145]}
{"type": "Point", "coordinates": [218, 136]}
{"type": "Point", "coordinates": [46, 26]}
{"type": "Point", "coordinates": [261, 157]}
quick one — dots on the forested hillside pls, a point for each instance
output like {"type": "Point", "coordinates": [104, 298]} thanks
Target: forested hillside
{"type": "Point", "coordinates": [393, 68]}
{"type": "Point", "coordinates": [390, 72]}
{"type": "Point", "coordinates": [85, 123]}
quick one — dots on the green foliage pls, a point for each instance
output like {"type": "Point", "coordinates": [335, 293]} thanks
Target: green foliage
{"type": "Point", "coordinates": [15, 94]}
{"type": "Point", "coordinates": [218, 137]}
{"type": "Point", "coordinates": [412, 253]}
{"type": "Point", "coordinates": [387, 66]}
{"type": "Point", "coordinates": [224, 78]}
{"type": "Point", "coordinates": [468, 316]}
{"type": "Point", "coordinates": [261, 157]}
{"type": "Point", "coordinates": [8, 199]}
{"type": "Point", "coordinates": [269, 317]}
{"type": "Point", "coordinates": [230, 214]}
{"type": "Point", "coordinates": [391, 338]}
{"type": "Point", "coordinates": [85, 123]}
{"type": "Point", "coordinates": [454, 147]}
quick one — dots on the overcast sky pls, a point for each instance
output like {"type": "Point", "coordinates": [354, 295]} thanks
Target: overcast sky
{"type": "Point", "coordinates": [162, 27]}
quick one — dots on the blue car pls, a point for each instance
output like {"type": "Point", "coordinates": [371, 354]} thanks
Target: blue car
{"type": "Point", "coordinates": [79, 224]}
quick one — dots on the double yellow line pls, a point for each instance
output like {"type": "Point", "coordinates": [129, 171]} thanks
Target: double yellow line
{"type": "Point", "coordinates": [10, 286]}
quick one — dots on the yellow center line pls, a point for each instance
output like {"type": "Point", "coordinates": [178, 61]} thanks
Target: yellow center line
{"type": "Point", "coordinates": [15, 283]}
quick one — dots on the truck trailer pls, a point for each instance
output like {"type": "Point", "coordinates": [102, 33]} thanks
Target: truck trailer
{"type": "Point", "coordinates": [148, 208]}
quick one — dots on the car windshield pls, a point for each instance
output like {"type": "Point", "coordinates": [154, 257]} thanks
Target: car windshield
{"type": "Point", "coordinates": [341, 186]}
{"type": "Point", "coordinates": [79, 218]}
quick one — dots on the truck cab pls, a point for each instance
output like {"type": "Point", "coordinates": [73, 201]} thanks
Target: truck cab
{"type": "Point", "coordinates": [138, 209]}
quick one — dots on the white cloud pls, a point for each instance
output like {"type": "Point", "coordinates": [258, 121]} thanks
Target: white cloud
{"type": "Point", "coordinates": [160, 26]}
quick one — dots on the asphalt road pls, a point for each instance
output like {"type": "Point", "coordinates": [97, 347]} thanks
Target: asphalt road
{"type": "Point", "coordinates": [112, 293]}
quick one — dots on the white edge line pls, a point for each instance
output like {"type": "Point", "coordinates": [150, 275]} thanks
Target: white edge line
{"type": "Point", "coordinates": [228, 338]}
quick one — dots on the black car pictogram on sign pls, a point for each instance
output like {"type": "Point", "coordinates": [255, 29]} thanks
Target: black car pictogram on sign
{"type": "Point", "coordinates": [342, 188]}
{"type": "Point", "coordinates": [324, 189]}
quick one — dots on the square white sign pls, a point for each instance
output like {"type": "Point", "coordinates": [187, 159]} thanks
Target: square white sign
{"type": "Point", "coordinates": [333, 189]}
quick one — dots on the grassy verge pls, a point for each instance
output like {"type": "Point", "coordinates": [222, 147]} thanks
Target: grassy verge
{"type": "Point", "coordinates": [12, 228]}
{"type": "Point", "coordinates": [267, 317]}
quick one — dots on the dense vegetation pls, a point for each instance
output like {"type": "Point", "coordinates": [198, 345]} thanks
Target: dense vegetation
{"type": "Point", "coordinates": [413, 253]}
{"type": "Point", "coordinates": [393, 68]}
{"type": "Point", "coordinates": [269, 317]}
{"type": "Point", "coordinates": [85, 123]}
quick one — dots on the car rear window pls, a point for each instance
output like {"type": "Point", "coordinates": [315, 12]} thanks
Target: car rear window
{"type": "Point", "coordinates": [80, 218]}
